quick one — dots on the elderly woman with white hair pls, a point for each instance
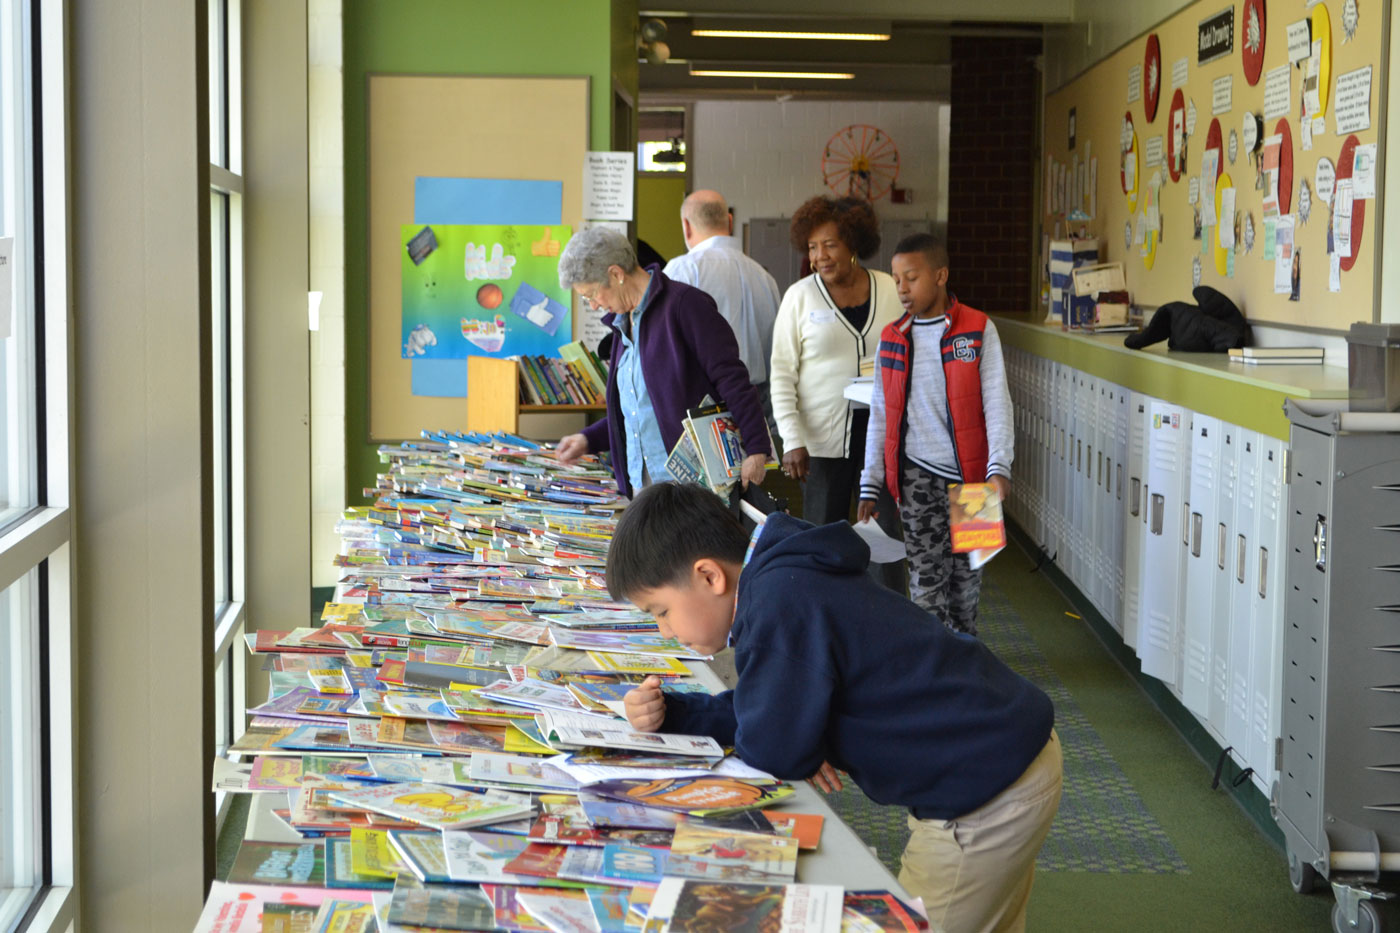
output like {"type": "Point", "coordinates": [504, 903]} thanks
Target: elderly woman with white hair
{"type": "Point", "coordinates": [670, 350]}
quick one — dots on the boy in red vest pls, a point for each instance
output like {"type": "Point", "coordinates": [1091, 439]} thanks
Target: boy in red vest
{"type": "Point", "coordinates": [940, 413]}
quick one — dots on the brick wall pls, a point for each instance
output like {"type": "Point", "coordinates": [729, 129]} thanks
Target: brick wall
{"type": "Point", "coordinates": [992, 170]}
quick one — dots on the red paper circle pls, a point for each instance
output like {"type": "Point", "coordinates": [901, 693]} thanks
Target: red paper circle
{"type": "Point", "coordinates": [1178, 103]}
{"type": "Point", "coordinates": [1253, 60]}
{"type": "Point", "coordinates": [1285, 167]}
{"type": "Point", "coordinates": [1213, 142]}
{"type": "Point", "coordinates": [1151, 77]}
{"type": "Point", "coordinates": [1358, 206]}
{"type": "Point", "coordinates": [1122, 176]}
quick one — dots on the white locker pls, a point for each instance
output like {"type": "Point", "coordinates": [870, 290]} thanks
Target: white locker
{"type": "Point", "coordinates": [1104, 511]}
{"type": "Point", "coordinates": [1079, 428]}
{"type": "Point", "coordinates": [1134, 516]}
{"type": "Point", "coordinates": [1199, 598]}
{"type": "Point", "coordinates": [1168, 447]}
{"type": "Point", "coordinates": [1222, 548]}
{"type": "Point", "coordinates": [1266, 680]}
{"type": "Point", "coordinates": [1118, 517]}
{"type": "Point", "coordinates": [1043, 401]}
{"type": "Point", "coordinates": [1242, 593]}
{"type": "Point", "coordinates": [1059, 499]}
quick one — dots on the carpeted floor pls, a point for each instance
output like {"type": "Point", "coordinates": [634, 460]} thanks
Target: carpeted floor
{"type": "Point", "coordinates": [1102, 826]}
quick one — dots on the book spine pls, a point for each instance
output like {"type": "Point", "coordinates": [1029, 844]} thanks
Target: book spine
{"type": "Point", "coordinates": [560, 391]}
{"type": "Point", "coordinates": [562, 377]}
{"type": "Point", "coordinates": [584, 381]}
{"type": "Point", "coordinates": [537, 380]}
{"type": "Point", "coordinates": [601, 370]}
{"type": "Point", "coordinates": [542, 367]}
{"type": "Point", "coordinates": [527, 386]}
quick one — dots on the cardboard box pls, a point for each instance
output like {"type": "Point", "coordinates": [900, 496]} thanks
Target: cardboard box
{"type": "Point", "coordinates": [1088, 282]}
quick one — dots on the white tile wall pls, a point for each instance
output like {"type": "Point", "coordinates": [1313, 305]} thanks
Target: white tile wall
{"type": "Point", "coordinates": [765, 156]}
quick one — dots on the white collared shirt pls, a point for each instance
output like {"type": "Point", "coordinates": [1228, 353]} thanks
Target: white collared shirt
{"type": "Point", "coordinates": [744, 292]}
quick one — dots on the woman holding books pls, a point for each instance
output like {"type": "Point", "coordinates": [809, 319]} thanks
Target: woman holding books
{"type": "Point", "coordinates": [827, 331]}
{"type": "Point", "coordinates": [671, 348]}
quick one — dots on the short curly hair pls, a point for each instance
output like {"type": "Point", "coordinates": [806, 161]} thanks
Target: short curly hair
{"type": "Point", "coordinates": [855, 220]}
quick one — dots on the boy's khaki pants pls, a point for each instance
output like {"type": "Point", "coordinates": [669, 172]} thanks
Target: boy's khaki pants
{"type": "Point", "coordinates": [975, 872]}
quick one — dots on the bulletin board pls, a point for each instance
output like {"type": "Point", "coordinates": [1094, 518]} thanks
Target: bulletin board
{"type": "Point", "coordinates": [1088, 140]}
{"type": "Point", "coordinates": [423, 126]}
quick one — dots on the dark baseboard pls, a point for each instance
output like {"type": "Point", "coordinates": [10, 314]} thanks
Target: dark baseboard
{"type": "Point", "coordinates": [320, 595]}
{"type": "Point", "coordinates": [1254, 803]}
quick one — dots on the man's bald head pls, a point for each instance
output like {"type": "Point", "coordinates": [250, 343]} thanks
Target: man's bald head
{"type": "Point", "coordinates": [704, 214]}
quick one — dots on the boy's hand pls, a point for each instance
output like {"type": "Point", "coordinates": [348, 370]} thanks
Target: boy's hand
{"type": "Point", "coordinates": [754, 468]}
{"type": "Point", "coordinates": [645, 706]}
{"type": "Point", "coordinates": [1001, 484]}
{"type": "Point", "coordinates": [866, 510]}
{"type": "Point", "coordinates": [795, 463]}
{"type": "Point", "coordinates": [570, 449]}
{"type": "Point", "coordinates": [826, 779]}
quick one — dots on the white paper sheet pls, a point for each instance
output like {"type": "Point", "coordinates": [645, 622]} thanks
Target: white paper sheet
{"type": "Point", "coordinates": [883, 548]}
{"type": "Point", "coordinates": [1135, 83]}
{"type": "Point", "coordinates": [1277, 91]}
{"type": "Point", "coordinates": [1363, 172]}
{"type": "Point", "coordinates": [1283, 255]}
{"type": "Point", "coordinates": [1221, 94]}
{"type": "Point", "coordinates": [1227, 218]}
{"type": "Point", "coordinates": [1179, 72]}
{"type": "Point", "coordinates": [1341, 218]}
{"type": "Point", "coordinates": [1352, 108]}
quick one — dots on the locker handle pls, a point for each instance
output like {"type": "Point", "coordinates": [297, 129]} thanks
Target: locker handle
{"type": "Point", "coordinates": [1320, 543]}
{"type": "Point", "coordinates": [1263, 572]}
{"type": "Point", "coordinates": [1196, 520]}
{"type": "Point", "coordinates": [1120, 482]}
{"type": "Point", "coordinates": [1185, 523]}
{"type": "Point", "coordinates": [1239, 560]}
{"type": "Point", "coordinates": [1133, 509]}
{"type": "Point", "coordinates": [1220, 548]}
{"type": "Point", "coordinates": [1159, 507]}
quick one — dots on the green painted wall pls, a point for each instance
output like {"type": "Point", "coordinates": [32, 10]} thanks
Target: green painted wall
{"type": "Point", "coordinates": [489, 37]}
{"type": "Point", "coordinates": [659, 200]}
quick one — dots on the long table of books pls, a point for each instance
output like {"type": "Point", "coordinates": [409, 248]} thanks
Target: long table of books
{"type": "Point", "coordinates": [447, 750]}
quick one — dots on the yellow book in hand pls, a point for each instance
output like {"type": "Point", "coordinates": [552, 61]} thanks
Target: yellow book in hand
{"type": "Point", "coordinates": [637, 663]}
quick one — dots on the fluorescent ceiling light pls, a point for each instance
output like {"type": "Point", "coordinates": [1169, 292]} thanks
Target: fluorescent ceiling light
{"type": "Point", "coordinates": [782, 34]}
{"type": "Point", "coordinates": [815, 75]}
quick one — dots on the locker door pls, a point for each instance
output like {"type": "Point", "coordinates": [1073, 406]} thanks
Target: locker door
{"type": "Point", "coordinates": [1134, 516]}
{"type": "Point", "coordinates": [1118, 516]}
{"type": "Point", "coordinates": [1222, 596]}
{"type": "Point", "coordinates": [1242, 592]}
{"type": "Point", "coordinates": [1060, 502]}
{"type": "Point", "coordinates": [1266, 680]}
{"type": "Point", "coordinates": [1042, 452]}
{"type": "Point", "coordinates": [1199, 600]}
{"type": "Point", "coordinates": [770, 247]}
{"type": "Point", "coordinates": [1104, 512]}
{"type": "Point", "coordinates": [1074, 455]}
{"type": "Point", "coordinates": [1168, 446]}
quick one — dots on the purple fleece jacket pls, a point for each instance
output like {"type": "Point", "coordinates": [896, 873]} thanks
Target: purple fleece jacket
{"type": "Point", "coordinates": [688, 351]}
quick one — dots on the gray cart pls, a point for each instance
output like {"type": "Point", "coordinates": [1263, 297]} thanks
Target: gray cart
{"type": "Point", "coordinates": [1337, 797]}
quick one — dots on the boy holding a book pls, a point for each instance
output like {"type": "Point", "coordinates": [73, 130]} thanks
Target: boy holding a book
{"type": "Point", "coordinates": [920, 716]}
{"type": "Point", "coordinates": [940, 413]}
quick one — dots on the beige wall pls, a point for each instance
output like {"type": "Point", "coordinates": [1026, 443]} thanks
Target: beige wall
{"type": "Point", "coordinates": [143, 618]}
{"type": "Point", "coordinates": [1099, 28]}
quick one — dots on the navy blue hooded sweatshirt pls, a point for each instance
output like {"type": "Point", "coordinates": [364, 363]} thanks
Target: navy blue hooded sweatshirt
{"type": "Point", "coordinates": [834, 667]}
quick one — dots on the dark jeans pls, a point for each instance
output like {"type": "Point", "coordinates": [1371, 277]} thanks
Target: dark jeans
{"type": "Point", "coordinates": [833, 485]}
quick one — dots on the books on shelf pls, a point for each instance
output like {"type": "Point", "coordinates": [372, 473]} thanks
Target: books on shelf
{"type": "Point", "coordinates": [577, 377]}
{"type": "Point", "coordinates": [1277, 356]}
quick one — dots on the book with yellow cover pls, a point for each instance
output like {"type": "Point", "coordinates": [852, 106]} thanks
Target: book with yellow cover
{"type": "Point", "coordinates": [974, 514]}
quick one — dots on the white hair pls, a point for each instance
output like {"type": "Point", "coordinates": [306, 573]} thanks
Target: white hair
{"type": "Point", "coordinates": [590, 252]}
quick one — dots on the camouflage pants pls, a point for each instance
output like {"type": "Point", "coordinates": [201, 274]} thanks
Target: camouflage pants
{"type": "Point", "coordinates": [939, 580]}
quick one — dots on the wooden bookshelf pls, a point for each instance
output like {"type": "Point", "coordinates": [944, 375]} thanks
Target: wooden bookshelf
{"type": "Point", "coordinates": [493, 397]}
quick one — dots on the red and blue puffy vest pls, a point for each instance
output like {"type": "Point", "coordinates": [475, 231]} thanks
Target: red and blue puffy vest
{"type": "Point", "coordinates": [961, 348]}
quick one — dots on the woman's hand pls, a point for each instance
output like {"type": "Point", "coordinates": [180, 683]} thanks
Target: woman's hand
{"type": "Point", "coordinates": [645, 705]}
{"type": "Point", "coordinates": [570, 448]}
{"type": "Point", "coordinates": [754, 468]}
{"type": "Point", "coordinates": [826, 779]}
{"type": "Point", "coordinates": [795, 463]}
{"type": "Point", "coordinates": [865, 509]}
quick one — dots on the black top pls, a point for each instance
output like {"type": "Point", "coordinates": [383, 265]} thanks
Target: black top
{"type": "Point", "coordinates": [857, 314]}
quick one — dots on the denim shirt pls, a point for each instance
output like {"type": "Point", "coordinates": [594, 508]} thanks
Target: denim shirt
{"type": "Point", "coordinates": [646, 451]}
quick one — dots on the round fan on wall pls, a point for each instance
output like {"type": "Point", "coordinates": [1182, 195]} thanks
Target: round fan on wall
{"type": "Point", "coordinates": [860, 161]}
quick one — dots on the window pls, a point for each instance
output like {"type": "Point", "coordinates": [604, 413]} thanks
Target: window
{"type": "Point", "coordinates": [666, 156]}
{"type": "Point", "coordinates": [36, 777]}
{"type": "Point", "coordinates": [226, 328]}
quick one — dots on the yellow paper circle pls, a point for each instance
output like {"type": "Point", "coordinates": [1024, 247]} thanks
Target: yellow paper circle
{"type": "Point", "coordinates": [1222, 255]}
{"type": "Point", "coordinates": [1322, 32]}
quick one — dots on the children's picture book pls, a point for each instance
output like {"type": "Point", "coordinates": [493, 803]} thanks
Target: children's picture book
{"type": "Point", "coordinates": [656, 743]}
{"type": "Point", "coordinates": [562, 821]}
{"type": "Point", "coordinates": [615, 814]}
{"type": "Point", "coordinates": [638, 664]}
{"type": "Point", "coordinates": [633, 865]}
{"type": "Point", "coordinates": [696, 907]}
{"type": "Point", "coordinates": [478, 857]}
{"type": "Point", "coordinates": [239, 908]}
{"type": "Point", "coordinates": [519, 771]}
{"type": "Point", "coordinates": [701, 796]}
{"type": "Point", "coordinates": [975, 520]}
{"type": "Point", "coordinates": [451, 906]}
{"type": "Point", "coordinates": [561, 911]}
{"type": "Point", "coordinates": [886, 912]}
{"type": "Point", "coordinates": [609, 910]}
{"type": "Point", "coordinates": [284, 863]}
{"type": "Point", "coordinates": [423, 852]}
{"type": "Point", "coordinates": [730, 855]}
{"type": "Point", "coordinates": [340, 869]}
{"type": "Point", "coordinates": [437, 805]}
{"type": "Point", "coordinates": [623, 643]}
{"type": "Point", "coordinates": [509, 914]}
{"type": "Point", "coordinates": [806, 828]}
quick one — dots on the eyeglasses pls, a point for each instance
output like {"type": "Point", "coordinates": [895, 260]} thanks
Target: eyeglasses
{"type": "Point", "coordinates": [590, 301]}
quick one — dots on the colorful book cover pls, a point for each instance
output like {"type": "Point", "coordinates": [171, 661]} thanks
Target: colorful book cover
{"type": "Point", "coordinates": [656, 743]}
{"type": "Point", "coordinates": [238, 908]}
{"type": "Point", "coordinates": [478, 857]}
{"type": "Point", "coordinates": [284, 863]}
{"type": "Point", "coordinates": [520, 771]}
{"type": "Point", "coordinates": [633, 865]}
{"type": "Point", "coordinates": [615, 814]}
{"type": "Point", "coordinates": [372, 855]}
{"type": "Point", "coordinates": [623, 643]}
{"type": "Point", "coordinates": [561, 911]}
{"type": "Point", "coordinates": [437, 805]}
{"type": "Point", "coordinates": [609, 911]}
{"type": "Point", "coordinates": [453, 906]}
{"type": "Point", "coordinates": [277, 772]}
{"type": "Point", "coordinates": [344, 916]}
{"type": "Point", "coordinates": [806, 828]}
{"type": "Point", "coordinates": [728, 855]}
{"type": "Point", "coordinates": [563, 822]}
{"type": "Point", "coordinates": [975, 521]}
{"type": "Point", "coordinates": [692, 906]}
{"type": "Point", "coordinates": [640, 664]}
{"type": "Point", "coordinates": [539, 860]}
{"type": "Point", "coordinates": [698, 795]}
{"type": "Point", "coordinates": [423, 852]}
{"type": "Point", "coordinates": [278, 917]}
{"type": "Point", "coordinates": [340, 869]}
{"type": "Point", "coordinates": [509, 914]}
{"type": "Point", "coordinates": [887, 912]}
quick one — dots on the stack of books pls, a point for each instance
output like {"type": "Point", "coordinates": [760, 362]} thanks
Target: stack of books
{"type": "Point", "coordinates": [446, 748]}
{"type": "Point", "coordinates": [578, 377]}
{"type": "Point", "coordinates": [710, 451]}
{"type": "Point", "coordinates": [1277, 356]}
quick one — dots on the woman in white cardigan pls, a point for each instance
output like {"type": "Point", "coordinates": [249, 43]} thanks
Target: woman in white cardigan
{"type": "Point", "coordinates": [829, 323]}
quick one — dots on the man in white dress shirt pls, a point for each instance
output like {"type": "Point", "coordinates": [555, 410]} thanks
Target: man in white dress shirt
{"type": "Point", "coordinates": [746, 294]}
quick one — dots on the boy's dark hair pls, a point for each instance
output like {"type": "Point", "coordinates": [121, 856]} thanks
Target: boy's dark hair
{"type": "Point", "coordinates": [666, 529]}
{"type": "Point", "coordinates": [855, 221]}
{"type": "Point", "coordinates": [928, 244]}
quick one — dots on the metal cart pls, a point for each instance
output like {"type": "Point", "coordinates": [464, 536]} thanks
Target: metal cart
{"type": "Point", "coordinates": [1337, 797]}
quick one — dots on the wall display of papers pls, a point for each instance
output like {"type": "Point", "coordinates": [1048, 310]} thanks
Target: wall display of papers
{"type": "Point", "coordinates": [1289, 118]}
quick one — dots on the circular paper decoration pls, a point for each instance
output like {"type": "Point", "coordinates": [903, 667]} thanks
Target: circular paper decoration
{"type": "Point", "coordinates": [1176, 152]}
{"type": "Point", "coordinates": [860, 161]}
{"type": "Point", "coordinates": [1151, 77]}
{"type": "Point", "coordinates": [1285, 167]}
{"type": "Point", "coordinates": [1358, 206]}
{"type": "Point", "coordinates": [1322, 32]}
{"type": "Point", "coordinates": [1252, 41]}
{"type": "Point", "coordinates": [1253, 132]}
{"type": "Point", "coordinates": [1222, 255]}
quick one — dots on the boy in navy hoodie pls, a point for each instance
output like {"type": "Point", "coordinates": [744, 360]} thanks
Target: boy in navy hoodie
{"type": "Point", "coordinates": [837, 672]}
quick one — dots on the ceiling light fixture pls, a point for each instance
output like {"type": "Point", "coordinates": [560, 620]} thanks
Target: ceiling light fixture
{"type": "Point", "coordinates": [812, 75]}
{"type": "Point", "coordinates": [782, 34]}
